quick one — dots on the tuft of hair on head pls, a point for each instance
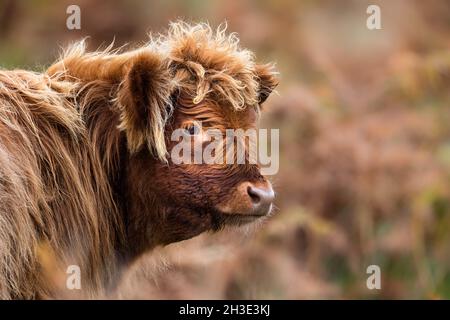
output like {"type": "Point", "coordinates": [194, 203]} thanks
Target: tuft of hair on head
{"type": "Point", "coordinates": [210, 62]}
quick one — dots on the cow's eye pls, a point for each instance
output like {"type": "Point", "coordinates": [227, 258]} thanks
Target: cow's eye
{"type": "Point", "coordinates": [193, 129]}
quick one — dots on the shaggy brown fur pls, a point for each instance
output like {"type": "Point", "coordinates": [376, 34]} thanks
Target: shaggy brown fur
{"type": "Point", "coordinates": [85, 176]}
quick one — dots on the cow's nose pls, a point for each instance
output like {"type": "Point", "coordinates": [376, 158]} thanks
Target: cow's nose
{"type": "Point", "coordinates": [261, 196]}
{"type": "Point", "coordinates": [251, 199]}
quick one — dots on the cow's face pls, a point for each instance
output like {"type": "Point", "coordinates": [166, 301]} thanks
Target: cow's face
{"type": "Point", "coordinates": [218, 193]}
{"type": "Point", "coordinates": [221, 90]}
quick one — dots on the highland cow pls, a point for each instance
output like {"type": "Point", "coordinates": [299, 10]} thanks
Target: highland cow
{"type": "Point", "coordinates": [85, 172]}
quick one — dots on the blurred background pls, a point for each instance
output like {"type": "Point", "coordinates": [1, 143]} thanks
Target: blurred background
{"type": "Point", "coordinates": [364, 123]}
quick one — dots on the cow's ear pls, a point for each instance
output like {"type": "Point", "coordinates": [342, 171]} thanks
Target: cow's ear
{"type": "Point", "coordinates": [144, 102]}
{"type": "Point", "coordinates": [268, 80]}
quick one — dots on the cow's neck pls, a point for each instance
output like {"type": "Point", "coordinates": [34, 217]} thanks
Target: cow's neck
{"type": "Point", "coordinates": [139, 235]}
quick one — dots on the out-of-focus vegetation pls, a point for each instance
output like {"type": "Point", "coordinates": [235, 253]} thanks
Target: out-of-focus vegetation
{"type": "Point", "coordinates": [364, 121]}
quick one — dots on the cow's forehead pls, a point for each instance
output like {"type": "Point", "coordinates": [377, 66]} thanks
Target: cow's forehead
{"type": "Point", "coordinates": [245, 119]}
{"type": "Point", "coordinates": [219, 114]}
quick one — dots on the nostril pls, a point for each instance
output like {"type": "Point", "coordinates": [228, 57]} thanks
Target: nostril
{"type": "Point", "coordinates": [254, 195]}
